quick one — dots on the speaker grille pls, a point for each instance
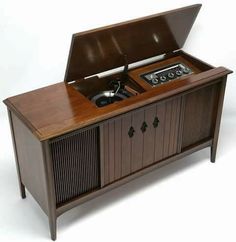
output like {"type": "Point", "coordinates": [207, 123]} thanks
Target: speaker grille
{"type": "Point", "coordinates": [75, 159]}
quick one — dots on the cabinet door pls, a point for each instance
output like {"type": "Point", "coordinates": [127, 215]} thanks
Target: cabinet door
{"type": "Point", "coordinates": [161, 137]}
{"type": "Point", "coordinates": [115, 149]}
{"type": "Point", "coordinates": [199, 115]}
{"type": "Point", "coordinates": [138, 139]}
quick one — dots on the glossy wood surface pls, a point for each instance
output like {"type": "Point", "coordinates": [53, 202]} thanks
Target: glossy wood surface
{"type": "Point", "coordinates": [59, 108]}
{"type": "Point", "coordinates": [102, 49]}
{"type": "Point", "coordinates": [69, 151]}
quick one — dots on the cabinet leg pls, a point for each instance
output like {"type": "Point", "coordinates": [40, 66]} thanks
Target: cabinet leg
{"type": "Point", "coordinates": [22, 191]}
{"type": "Point", "coordinates": [53, 228]}
{"type": "Point", "coordinates": [218, 118]}
{"type": "Point", "coordinates": [213, 153]}
{"type": "Point", "coordinates": [21, 186]}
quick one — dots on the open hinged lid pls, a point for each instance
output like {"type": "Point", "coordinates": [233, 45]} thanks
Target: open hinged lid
{"type": "Point", "coordinates": [105, 48]}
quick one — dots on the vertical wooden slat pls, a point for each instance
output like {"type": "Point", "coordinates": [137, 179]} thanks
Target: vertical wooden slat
{"type": "Point", "coordinates": [173, 121]}
{"type": "Point", "coordinates": [111, 145]}
{"type": "Point", "coordinates": [101, 154]}
{"type": "Point", "coordinates": [149, 137]}
{"type": "Point", "coordinates": [159, 133]}
{"type": "Point", "coordinates": [181, 123]}
{"type": "Point", "coordinates": [118, 141]}
{"type": "Point", "coordinates": [106, 152]}
{"type": "Point", "coordinates": [167, 128]}
{"type": "Point", "coordinates": [126, 146]}
{"type": "Point", "coordinates": [177, 125]}
{"type": "Point", "coordinates": [137, 141]}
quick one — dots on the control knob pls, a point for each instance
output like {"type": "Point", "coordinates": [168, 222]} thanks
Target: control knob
{"type": "Point", "coordinates": [154, 81]}
{"type": "Point", "coordinates": [186, 70]}
{"type": "Point", "coordinates": [179, 73]}
{"type": "Point", "coordinates": [163, 78]}
{"type": "Point", "coordinates": [171, 75]}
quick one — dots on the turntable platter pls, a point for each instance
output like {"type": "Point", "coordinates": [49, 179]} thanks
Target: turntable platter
{"type": "Point", "coordinates": [107, 97]}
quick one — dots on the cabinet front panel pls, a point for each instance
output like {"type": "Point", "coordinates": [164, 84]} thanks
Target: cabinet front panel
{"type": "Point", "coordinates": [140, 138]}
{"type": "Point", "coordinates": [125, 144]}
{"type": "Point", "coordinates": [199, 115]}
{"type": "Point", "coordinates": [166, 134]}
{"type": "Point", "coordinates": [160, 131]}
{"type": "Point", "coordinates": [172, 120]}
{"type": "Point", "coordinates": [137, 141]}
{"type": "Point", "coordinates": [149, 136]}
{"type": "Point", "coordinates": [76, 164]}
{"type": "Point", "coordinates": [116, 149]}
{"type": "Point", "coordinates": [117, 153]}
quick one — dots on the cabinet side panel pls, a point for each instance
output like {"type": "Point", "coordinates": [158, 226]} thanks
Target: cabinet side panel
{"type": "Point", "coordinates": [31, 164]}
{"type": "Point", "coordinates": [199, 115]}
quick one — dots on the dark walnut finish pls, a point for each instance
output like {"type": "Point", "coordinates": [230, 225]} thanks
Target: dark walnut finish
{"type": "Point", "coordinates": [103, 48]}
{"type": "Point", "coordinates": [153, 126]}
{"type": "Point", "coordinates": [69, 151]}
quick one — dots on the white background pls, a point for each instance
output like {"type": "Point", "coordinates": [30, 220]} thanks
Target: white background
{"type": "Point", "coordinates": [189, 200]}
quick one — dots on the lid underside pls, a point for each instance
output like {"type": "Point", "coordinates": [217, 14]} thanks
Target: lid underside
{"type": "Point", "coordinates": [102, 49]}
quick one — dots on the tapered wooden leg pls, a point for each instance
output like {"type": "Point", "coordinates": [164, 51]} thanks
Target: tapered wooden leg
{"type": "Point", "coordinates": [22, 191]}
{"type": "Point", "coordinates": [218, 119]}
{"type": "Point", "coordinates": [53, 228]}
{"type": "Point", "coordinates": [213, 153]}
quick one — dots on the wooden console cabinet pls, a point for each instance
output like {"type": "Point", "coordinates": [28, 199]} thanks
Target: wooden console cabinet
{"type": "Point", "coordinates": [69, 151]}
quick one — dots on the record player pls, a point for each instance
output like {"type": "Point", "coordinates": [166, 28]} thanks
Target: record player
{"type": "Point", "coordinates": [132, 101]}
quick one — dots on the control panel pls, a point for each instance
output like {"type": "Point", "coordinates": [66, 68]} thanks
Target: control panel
{"type": "Point", "coordinates": [165, 74]}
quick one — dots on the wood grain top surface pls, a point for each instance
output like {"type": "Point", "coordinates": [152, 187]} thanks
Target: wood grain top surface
{"type": "Point", "coordinates": [57, 109]}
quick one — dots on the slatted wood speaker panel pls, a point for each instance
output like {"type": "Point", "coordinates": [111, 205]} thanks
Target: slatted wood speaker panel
{"type": "Point", "coordinates": [124, 155]}
{"type": "Point", "coordinates": [199, 115]}
{"type": "Point", "coordinates": [76, 168]}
